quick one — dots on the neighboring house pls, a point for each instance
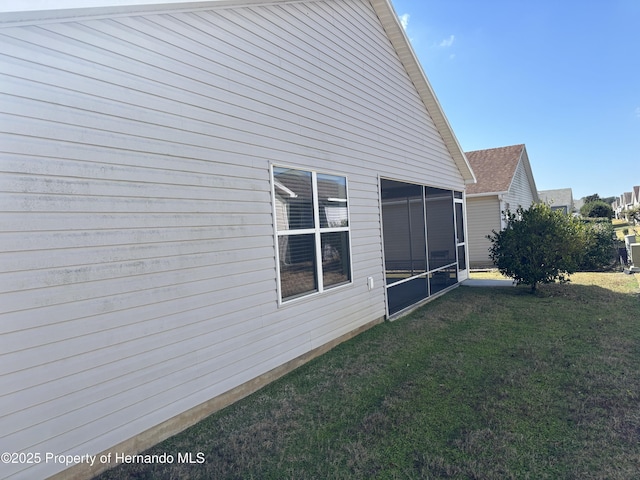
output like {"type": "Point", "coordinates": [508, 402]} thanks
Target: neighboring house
{"type": "Point", "coordinates": [199, 197]}
{"type": "Point", "coordinates": [626, 201]}
{"type": "Point", "coordinates": [558, 199]}
{"type": "Point", "coordinates": [615, 206]}
{"type": "Point", "coordinates": [504, 181]}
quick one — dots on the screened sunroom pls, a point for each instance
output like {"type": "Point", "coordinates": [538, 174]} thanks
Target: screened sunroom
{"type": "Point", "coordinates": [424, 242]}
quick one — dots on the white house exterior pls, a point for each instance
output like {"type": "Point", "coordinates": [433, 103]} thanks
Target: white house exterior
{"type": "Point", "coordinates": [558, 199]}
{"type": "Point", "coordinates": [626, 201]}
{"type": "Point", "coordinates": [504, 181]}
{"type": "Point", "coordinates": [194, 196]}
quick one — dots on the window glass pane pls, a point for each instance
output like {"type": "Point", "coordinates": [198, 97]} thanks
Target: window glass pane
{"type": "Point", "coordinates": [440, 227]}
{"type": "Point", "coordinates": [406, 294]}
{"type": "Point", "coordinates": [294, 199]}
{"type": "Point", "coordinates": [332, 199]}
{"type": "Point", "coordinates": [459, 223]}
{"type": "Point", "coordinates": [403, 230]}
{"type": "Point", "coordinates": [297, 265]}
{"type": "Point", "coordinates": [335, 258]}
{"type": "Point", "coordinates": [457, 195]}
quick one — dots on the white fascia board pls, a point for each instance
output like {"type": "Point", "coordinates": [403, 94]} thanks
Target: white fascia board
{"type": "Point", "coordinates": [488, 194]}
{"type": "Point", "coordinates": [398, 37]}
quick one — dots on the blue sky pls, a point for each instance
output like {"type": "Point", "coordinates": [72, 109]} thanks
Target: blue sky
{"type": "Point", "coordinates": [562, 77]}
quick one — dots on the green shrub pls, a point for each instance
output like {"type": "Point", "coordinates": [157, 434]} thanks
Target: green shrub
{"type": "Point", "coordinates": [633, 215]}
{"type": "Point", "coordinates": [597, 209]}
{"type": "Point", "coordinates": [599, 246]}
{"type": "Point", "coordinates": [538, 245]}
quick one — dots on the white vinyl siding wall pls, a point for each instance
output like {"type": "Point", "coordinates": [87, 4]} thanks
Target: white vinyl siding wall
{"type": "Point", "coordinates": [520, 193]}
{"type": "Point", "coordinates": [483, 216]}
{"type": "Point", "coordinates": [138, 274]}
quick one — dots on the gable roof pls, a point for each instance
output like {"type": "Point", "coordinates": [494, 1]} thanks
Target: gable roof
{"type": "Point", "coordinates": [495, 169]}
{"type": "Point", "coordinates": [558, 197]}
{"type": "Point", "coordinates": [636, 194]}
{"type": "Point", "coordinates": [29, 10]}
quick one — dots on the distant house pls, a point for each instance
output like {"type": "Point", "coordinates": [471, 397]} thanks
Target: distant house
{"type": "Point", "coordinates": [199, 197]}
{"type": "Point", "coordinates": [626, 201]}
{"type": "Point", "coordinates": [558, 199]}
{"type": "Point", "coordinates": [615, 206]}
{"type": "Point", "coordinates": [504, 181]}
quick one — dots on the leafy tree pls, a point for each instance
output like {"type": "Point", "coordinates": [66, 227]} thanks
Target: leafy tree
{"type": "Point", "coordinates": [597, 209]}
{"type": "Point", "coordinates": [538, 245]}
{"type": "Point", "coordinates": [592, 198]}
{"type": "Point", "coordinates": [633, 215]}
{"type": "Point", "coordinates": [600, 246]}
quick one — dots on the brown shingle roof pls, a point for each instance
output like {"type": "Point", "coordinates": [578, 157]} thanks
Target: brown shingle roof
{"type": "Point", "coordinates": [494, 168]}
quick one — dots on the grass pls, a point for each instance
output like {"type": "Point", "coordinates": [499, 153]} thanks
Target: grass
{"type": "Point", "coordinates": [619, 227]}
{"type": "Point", "coordinates": [488, 274]}
{"type": "Point", "coordinates": [479, 384]}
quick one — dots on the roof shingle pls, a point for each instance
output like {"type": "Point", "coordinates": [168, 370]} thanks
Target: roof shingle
{"type": "Point", "coordinates": [494, 168]}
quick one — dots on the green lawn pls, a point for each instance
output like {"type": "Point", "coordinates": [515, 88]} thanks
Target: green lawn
{"type": "Point", "coordinates": [481, 383]}
{"type": "Point", "coordinates": [621, 225]}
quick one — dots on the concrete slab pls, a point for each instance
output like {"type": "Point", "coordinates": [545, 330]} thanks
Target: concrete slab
{"type": "Point", "coordinates": [472, 282]}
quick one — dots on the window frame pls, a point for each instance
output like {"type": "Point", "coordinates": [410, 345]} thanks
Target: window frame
{"type": "Point", "coordinates": [316, 231]}
{"type": "Point", "coordinates": [459, 199]}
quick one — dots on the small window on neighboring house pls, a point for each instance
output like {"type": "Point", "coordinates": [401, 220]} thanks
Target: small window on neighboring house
{"type": "Point", "coordinates": [312, 229]}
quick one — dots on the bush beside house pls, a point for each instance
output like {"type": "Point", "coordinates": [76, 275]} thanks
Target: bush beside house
{"type": "Point", "coordinates": [541, 245]}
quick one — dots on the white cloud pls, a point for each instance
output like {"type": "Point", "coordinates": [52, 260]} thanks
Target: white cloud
{"type": "Point", "coordinates": [404, 20]}
{"type": "Point", "coordinates": [447, 42]}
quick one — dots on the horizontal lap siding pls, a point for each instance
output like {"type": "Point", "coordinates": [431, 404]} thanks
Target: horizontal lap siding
{"type": "Point", "coordinates": [138, 274]}
{"type": "Point", "coordinates": [520, 193]}
{"type": "Point", "coordinates": [483, 216]}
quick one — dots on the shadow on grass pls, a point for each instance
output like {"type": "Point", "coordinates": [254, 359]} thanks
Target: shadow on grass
{"type": "Point", "coordinates": [480, 383]}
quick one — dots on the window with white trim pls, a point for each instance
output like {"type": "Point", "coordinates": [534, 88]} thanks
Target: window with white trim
{"type": "Point", "coordinates": [312, 229]}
